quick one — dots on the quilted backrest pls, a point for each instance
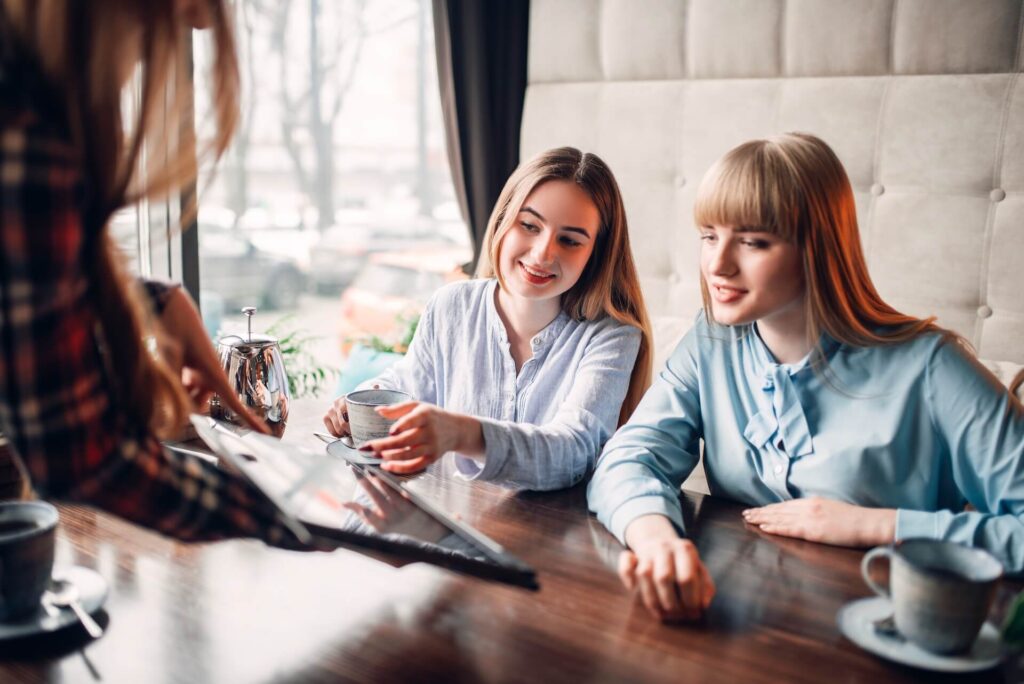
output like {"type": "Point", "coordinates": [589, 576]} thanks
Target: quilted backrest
{"type": "Point", "coordinates": [922, 100]}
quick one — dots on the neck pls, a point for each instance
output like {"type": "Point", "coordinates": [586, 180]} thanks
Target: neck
{"type": "Point", "coordinates": [525, 317]}
{"type": "Point", "coordinates": [785, 333]}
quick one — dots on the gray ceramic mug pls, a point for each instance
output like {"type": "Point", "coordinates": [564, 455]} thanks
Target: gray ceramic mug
{"type": "Point", "coordinates": [364, 422]}
{"type": "Point", "coordinates": [27, 536]}
{"type": "Point", "coordinates": [940, 591]}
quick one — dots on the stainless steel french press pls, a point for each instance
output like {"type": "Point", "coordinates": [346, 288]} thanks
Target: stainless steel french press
{"type": "Point", "coordinates": [255, 368]}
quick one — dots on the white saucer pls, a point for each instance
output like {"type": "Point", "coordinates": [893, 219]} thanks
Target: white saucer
{"type": "Point", "coordinates": [92, 592]}
{"type": "Point", "coordinates": [341, 449]}
{"type": "Point", "coordinates": [855, 622]}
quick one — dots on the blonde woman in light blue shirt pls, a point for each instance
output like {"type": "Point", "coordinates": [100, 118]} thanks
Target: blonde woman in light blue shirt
{"type": "Point", "coordinates": [523, 373]}
{"type": "Point", "coordinates": [836, 418]}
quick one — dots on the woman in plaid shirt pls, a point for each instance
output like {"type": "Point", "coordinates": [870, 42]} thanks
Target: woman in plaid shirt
{"type": "Point", "coordinates": [85, 394]}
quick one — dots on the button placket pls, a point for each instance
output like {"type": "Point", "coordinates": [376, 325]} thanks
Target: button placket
{"type": "Point", "coordinates": [779, 476]}
{"type": "Point", "coordinates": [777, 473]}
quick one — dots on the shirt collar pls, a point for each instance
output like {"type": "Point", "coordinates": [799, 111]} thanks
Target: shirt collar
{"type": "Point", "coordinates": [541, 340]}
{"type": "Point", "coordinates": [826, 344]}
{"type": "Point", "coordinates": [781, 418]}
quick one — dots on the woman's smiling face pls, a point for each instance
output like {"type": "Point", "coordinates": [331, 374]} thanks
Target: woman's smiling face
{"type": "Point", "coordinates": [546, 248]}
{"type": "Point", "coordinates": [751, 275]}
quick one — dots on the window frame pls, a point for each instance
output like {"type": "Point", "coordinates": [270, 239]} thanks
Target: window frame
{"type": "Point", "coordinates": [167, 249]}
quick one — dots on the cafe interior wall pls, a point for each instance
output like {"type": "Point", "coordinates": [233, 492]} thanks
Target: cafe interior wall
{"type": "Point", "coordinates": [922, 100]}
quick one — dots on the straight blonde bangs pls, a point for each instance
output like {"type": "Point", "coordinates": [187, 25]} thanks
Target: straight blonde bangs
{"type": "Point", "coordinates": [752, 186]}
{"type": "Point", "coordinates": [794, 186]}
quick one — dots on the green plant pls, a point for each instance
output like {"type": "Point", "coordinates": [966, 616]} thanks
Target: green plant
{"type": "Point", "coordinates": [398, 346]}
{"type": "Point", "coordinates": [306, 376]}
{"type": "Point", "coordinates": [1013, 624]}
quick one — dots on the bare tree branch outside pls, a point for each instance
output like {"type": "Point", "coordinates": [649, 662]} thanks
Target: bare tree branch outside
{"type": "Point", "coordinates": [338, 167]}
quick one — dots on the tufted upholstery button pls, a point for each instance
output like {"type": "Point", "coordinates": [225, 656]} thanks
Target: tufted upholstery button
{"type": "Point", "coordinates": [673, 277]}
{"type": "Point", "coordinates": [680, 180]}
{"type": "Point", "coordinates": [984, 311]}
{"type": "Point", "coordinates": [877, 189]}
{"type": "Point", "coordinates": [997, 195]}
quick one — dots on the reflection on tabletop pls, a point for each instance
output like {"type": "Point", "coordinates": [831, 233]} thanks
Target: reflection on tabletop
{"type": "Point", "coordinates": [337, 497]}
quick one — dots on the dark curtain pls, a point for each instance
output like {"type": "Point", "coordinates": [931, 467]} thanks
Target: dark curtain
{"type": "Point", "coordinates": [481, 65]}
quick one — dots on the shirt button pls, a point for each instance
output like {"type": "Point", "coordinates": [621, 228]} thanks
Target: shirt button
{"type": "Point", "coordinates": [535, 343]}
{"type": "Point", "coordinates": [778, 470]}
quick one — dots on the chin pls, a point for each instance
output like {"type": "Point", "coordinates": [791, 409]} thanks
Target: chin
{"type": "Point", "coordinates": [729, 317]}
{"type": "Point", "coordinates": [525, 291]}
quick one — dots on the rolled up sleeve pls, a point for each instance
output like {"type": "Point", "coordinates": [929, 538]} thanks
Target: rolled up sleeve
{"type": "Point", "coordinates": [560, 452]}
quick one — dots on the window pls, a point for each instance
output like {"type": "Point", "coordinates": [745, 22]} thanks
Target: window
{"type": "Point", "coordinates": [338, 163]}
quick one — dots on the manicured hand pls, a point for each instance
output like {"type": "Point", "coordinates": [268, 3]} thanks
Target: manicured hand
{"type": "Point", "coordinates": [422, 434]}
{"type": "Point", "coordinates": [670, 577]}
{"type": "Point", "coordinates": [826, 521]}
{"type": "Point", "coordinates": [336, 418]}
{"type": "Point", "coordinates": [201, 372]}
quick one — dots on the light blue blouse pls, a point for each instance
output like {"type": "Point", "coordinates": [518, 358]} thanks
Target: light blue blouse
{"type": "Point", "coordinates": [544, 427]}
{"type": "Point", "coordinates": [919, 426]}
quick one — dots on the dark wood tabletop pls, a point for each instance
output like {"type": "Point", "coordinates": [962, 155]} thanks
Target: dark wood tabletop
{"type": "Point", "coordinates": [238, 611]}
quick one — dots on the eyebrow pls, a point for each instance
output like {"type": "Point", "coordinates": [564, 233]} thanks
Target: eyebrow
{"type": "Point", "coordinates": [743, 229]}
{"type": "Point", "coordinates": [574, 229]}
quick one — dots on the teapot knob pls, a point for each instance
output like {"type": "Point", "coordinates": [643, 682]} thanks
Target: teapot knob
{"type": "Point", "coordinates": [249, 311]}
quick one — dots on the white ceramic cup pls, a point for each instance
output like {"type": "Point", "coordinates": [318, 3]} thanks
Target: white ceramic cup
{"type": "Point", "coordinates": [364, 422]}
{"type": "Point", "coordinates": [940, 591]}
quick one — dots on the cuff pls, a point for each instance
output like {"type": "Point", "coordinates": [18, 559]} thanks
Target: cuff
{"type": "Point", "coordinates": [916, 525]}
{"type": "Point", "coordinates": [496, 449]}
{"type": "Point", "coordinates": [467, 468]}
{"type": "Point", "coordinates": [644, 505]}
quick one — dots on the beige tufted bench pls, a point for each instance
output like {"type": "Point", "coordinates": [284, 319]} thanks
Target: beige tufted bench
{"type": "Point", "coordinates": [923, 100]}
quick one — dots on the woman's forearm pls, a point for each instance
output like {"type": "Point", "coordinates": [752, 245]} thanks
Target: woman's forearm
{"type": "Point", "coordinates": [649, 528]}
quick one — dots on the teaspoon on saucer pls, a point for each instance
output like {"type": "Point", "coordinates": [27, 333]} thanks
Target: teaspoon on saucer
{"type": "Point", "coordinates": [64, 594]}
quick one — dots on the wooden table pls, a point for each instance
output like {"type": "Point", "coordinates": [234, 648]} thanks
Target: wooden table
{"type": "Point", "coordinates": [238, 611]}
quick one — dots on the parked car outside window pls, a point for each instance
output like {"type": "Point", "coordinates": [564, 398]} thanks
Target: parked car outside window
{"type": "Point", "coordinates": [242, 274]}
{"type": "Point", "coordinates": [391, 288]}
{"type": "Point", "coordinates": [342, 250]}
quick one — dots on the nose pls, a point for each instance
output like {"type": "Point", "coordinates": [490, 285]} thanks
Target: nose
{"type": "Point", "coordinates": [720, 259]}
{"type": "Point", "coordinates": [543, 250]}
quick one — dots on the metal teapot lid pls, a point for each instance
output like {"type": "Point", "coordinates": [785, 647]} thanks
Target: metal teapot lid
{"type": "Point", "coordinates": [250, 342]}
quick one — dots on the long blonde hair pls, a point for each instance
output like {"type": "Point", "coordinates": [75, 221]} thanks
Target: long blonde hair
{"type": "Point", "coordinates": [609, 285]}
{"type": "Point", "coordinates": [85, 50]}
{"type": "Point", "coordinates": [794, 186]}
